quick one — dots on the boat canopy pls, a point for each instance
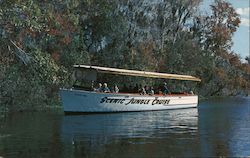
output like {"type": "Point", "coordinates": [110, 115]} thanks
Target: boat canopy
{"type": "Point", "coordinates": [117, 71]}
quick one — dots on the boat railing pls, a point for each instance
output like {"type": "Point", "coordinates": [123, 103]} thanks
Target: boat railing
{"type": "Point", "coordinates": [133, 93]}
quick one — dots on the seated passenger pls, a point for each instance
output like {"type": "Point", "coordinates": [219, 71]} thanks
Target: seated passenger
{"type": "Point", "coordinates": [92, 86]}
{"type": "Point", "coordinates": [116, 89]}
{"type": "Point", "coordinates": [147, 89]}
{"type": "Point", "coordinates": [105, 88]}
{"type": "Point", "coordinates": [99, 88]}
{"type": "Point", "coordinates": [142, 91]}
{"type": "Point", "coordinates": [151, 91]}
{"type": "Point", "coordinates": [165, 89]}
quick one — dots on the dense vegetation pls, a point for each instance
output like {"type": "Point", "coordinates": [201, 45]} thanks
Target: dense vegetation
{"type": "Point", "coordinates": [41, 40]}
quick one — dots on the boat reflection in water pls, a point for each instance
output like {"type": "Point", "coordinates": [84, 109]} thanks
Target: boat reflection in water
{"type": "Point", "coordinates": [135, 133]}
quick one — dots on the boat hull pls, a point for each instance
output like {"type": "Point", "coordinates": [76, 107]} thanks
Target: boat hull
{"type": "Point", "coordinates": [79, 101]}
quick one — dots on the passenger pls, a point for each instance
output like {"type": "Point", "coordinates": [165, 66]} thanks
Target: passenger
{"type": "Point", "coordinates": [151, 91]}
{"type": "Point", "coordinates": [147, 89]}
{"type": "Point", "coordinates": [92, 85]}
{"type": "Point", "coordinates": [105, 88]}
{"type": "Point", "coordinates": [99, 88]}
{"type": "Point", "coordinates": [142, 90]}
{"type": "Point", "coordinates": [159, 89]}
{"type": "Point", "coordinates": [165, 89]}
{"type": "Point", "coordinates": [116, 89]}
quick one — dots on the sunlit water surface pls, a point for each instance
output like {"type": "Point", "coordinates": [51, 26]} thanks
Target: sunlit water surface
{"type": "Point", "coordinates": [219, 127]}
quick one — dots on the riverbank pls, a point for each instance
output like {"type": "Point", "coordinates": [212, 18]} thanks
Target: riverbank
{"type": "Point", "coordinates": [54, 105]}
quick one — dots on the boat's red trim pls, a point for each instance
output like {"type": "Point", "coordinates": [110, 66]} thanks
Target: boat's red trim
{"type": "Point", "coordinates": [182, 94]}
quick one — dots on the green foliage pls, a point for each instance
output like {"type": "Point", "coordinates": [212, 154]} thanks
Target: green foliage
{"type": "Point", "coordinates": [40, 41]}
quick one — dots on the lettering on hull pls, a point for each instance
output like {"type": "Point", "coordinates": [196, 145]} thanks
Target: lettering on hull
{"type": "Point", "coordinates": [132, 101]}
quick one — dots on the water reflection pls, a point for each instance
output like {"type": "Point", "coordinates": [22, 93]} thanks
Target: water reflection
{"type": "Point", "coordinates": [30, 135]}
{"type": "Point", "coordinates": [224, 124]}
{"type": "Point", "coordinates": [91, 134]}
{"type": "Point", "coordinates": [219, 127]}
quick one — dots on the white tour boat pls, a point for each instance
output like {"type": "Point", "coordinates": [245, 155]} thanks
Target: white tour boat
{"type": "Point", "coordinates": [77, 100]}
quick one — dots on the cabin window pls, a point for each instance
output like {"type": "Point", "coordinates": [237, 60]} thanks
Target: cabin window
{"type": "Point", "coordinates": [84, 79]}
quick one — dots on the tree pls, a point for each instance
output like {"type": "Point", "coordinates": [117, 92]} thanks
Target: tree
{"type": "Point", "coordinates": [218, 28]}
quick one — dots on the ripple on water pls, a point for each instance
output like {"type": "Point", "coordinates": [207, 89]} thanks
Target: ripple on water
{"type": "Point", "coordinates": [217, 128]}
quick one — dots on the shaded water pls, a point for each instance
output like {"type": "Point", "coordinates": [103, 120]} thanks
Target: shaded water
{"type": "Point", "coordinates": [218, 127]}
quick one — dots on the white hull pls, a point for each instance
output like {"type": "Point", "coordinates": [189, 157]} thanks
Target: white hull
{"type": "Point", "coordinates": [79, 101]}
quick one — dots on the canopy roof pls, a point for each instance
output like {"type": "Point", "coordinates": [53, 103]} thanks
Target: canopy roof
{"type": "Point", "coordinates": [138, 73]}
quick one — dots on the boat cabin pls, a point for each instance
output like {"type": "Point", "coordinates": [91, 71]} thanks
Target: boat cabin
{"type": "Point", "coordinates": [86, 77]}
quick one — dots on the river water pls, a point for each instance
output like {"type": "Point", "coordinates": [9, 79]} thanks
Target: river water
{"type": "Point", "coordinates": [219, 127]}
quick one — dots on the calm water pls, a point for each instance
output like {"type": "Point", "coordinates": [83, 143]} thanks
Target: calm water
{"type": "Point", "coordinates": [218, 127]}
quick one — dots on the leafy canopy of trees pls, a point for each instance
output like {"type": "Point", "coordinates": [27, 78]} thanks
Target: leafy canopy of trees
{"type": "Point", "coordinates": [41, 40]}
